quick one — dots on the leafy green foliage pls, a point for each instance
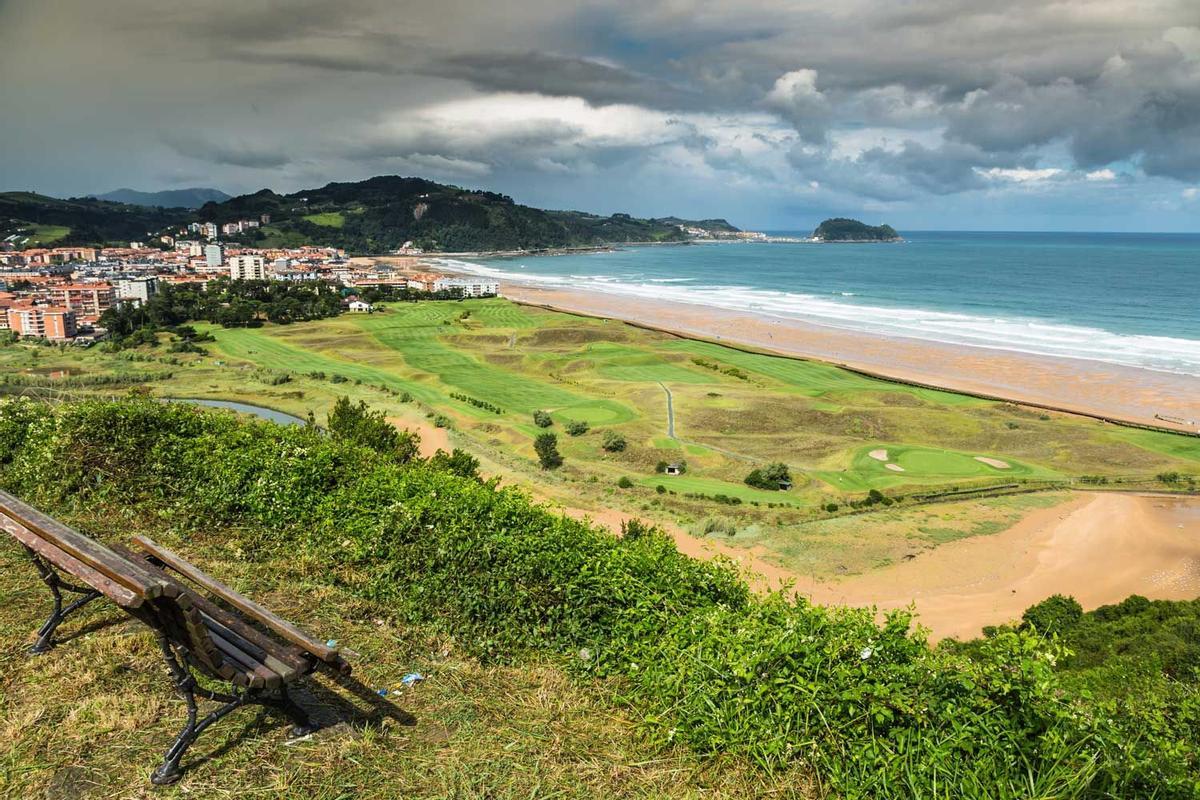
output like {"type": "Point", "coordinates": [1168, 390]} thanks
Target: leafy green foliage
{"type": "Point", "coordinates": [546, 446]}
{"type": "Point", "coordinates": [869, 707]}
{"type": "Point", "coordinates": [1055, 614]}
{"type": "Point", "coordinates": [613, 442]}
{"type": "Point", "coordinates": [542, 419]}
{"type": "Point", "coordinates": [458, 462]}
{"type": "Point", "coordinates": [773, 477]}
{"type": "Point", "coordinates": [360, 425]}
{"type": "Point", "coordinates": [577, 428]}
{"type": "Point", "coordinates": [624, 482]}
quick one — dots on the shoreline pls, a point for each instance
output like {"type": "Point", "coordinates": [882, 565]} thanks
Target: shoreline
{"type": "Point", "coordinates": [1117, 394]}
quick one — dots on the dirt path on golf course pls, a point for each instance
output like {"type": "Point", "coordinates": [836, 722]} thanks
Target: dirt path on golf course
{"type": "Point", "coordinates": [1098, 547]}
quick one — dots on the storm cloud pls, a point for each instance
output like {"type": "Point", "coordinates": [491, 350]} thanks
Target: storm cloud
{"type": "Point", "coordinates": [760, 110]}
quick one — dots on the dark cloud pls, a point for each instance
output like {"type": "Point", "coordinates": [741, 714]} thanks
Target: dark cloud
{"type": "Point", "coordinates": [225, 151]}
{"type": "Point", "coordinates": [883, 102]}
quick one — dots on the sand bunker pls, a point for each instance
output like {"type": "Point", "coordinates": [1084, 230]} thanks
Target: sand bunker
{"type": "Point", "coordinates": [894, 467]}
{"type": "Point", "coordinates": [879, 455]}
{"type": "Point", "coordinates": [1101, 548]}
{"type": "Point", "coordinates": [993, 462]}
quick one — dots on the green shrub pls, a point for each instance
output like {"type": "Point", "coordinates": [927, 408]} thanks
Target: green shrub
{"type": "Point", "coordinates": [361, 425]}
{"type": "Point", "coordinates": [577, 428]}
{"type": "Point", "coordinates": [546, 446]}
{"type": "Point", "coordinates": [542, 419]}
{"type": "Point", "coordinates": [613, 442]}
{"type": "Point", "coordinates": [624, 482]}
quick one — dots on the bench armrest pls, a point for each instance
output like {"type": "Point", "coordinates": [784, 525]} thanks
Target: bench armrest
{"type": "Point", "coordinates": [285, 629]}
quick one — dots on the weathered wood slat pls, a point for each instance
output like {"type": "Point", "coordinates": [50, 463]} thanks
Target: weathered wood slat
{"type": "Point", "coordinates": [243, 604]}
{"type": "Point", "coordinates": [289, 670]}
{"type": "Point", "coordinates": [114, 591]}
{"type": "Point", "coordinates": [287, 660]}
{"type": "Point", "coordinates": [89, 551]}
{"type": "Point", "coordinates": [262, 675]}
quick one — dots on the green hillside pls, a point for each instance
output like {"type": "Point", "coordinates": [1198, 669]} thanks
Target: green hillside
{"type": "Point", "coordinates": [41, 221]}
{"type": "Point", "coordinates": [841, 229]}
{"type": "Point", "coordinates": [382, 213]}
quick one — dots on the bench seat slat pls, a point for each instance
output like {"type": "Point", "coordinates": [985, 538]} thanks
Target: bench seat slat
{"type": "Point", "coordinates": [243, 604]}
{"type": "Point", "coordinates": [287, 660]}
{"type": "Point", "coordinates": [288, 672]}
{"type": "Point", "coordinates": [114, 591]}
{"type": "Point", "coordinates": [261, 675]}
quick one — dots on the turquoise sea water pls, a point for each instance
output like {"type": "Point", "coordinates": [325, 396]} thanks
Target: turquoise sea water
{"type": "Point", "coordinates": [1131, 299]}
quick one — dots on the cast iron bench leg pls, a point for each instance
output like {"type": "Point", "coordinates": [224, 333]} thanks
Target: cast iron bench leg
{"type": "Point", "coordinates": [45, 640]}
{"type": "Point", "coordinates": [169, 771]}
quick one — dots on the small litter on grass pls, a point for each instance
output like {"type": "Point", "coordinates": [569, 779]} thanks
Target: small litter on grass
{"type": "Point", "coordinates": [412, 678]}
{"type": "Point", "coordinates": [382, 692]}
{"type": "Point", "coordinates": [331, 643]}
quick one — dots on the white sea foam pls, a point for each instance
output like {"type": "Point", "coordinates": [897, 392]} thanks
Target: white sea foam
{"type": "Point", "coordinates": [1162, 353]}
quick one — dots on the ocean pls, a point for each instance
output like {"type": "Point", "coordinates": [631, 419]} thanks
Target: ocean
{"type": "Point", "coordinates": [1130, 299]}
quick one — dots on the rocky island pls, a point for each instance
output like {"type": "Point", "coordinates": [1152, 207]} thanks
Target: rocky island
{"type": "Point", "coordinates": [841, 229]}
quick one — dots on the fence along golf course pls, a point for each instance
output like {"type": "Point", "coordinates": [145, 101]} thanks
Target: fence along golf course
{"type": "Point", "coordinates": [733, 409]}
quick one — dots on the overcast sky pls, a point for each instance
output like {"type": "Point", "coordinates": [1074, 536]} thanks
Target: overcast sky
{"type": "Point", "coordinates": [957, 114]}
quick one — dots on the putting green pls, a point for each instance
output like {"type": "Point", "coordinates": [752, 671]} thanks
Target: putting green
{"type": "Point", "coordinates": [922, 465]}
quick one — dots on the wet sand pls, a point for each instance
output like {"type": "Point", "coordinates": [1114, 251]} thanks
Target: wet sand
{"type": "Point", "coordinates": [1116, 392]}
{"type": "Point", "coordinates": [1098, 547]}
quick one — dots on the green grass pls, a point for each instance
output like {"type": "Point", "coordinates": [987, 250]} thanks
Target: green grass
{"type": "Point", "coordinates": [328, 219]}
{"type": "Point", "coordinates": [92, 718]}
{"type": "Point", "coordinates": [688, 483]}
{"type": "Point", "coordinates": [44, 235]}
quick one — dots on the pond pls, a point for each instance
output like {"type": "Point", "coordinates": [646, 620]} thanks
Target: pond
{"type": "Point", "coordinates": [269, 414]}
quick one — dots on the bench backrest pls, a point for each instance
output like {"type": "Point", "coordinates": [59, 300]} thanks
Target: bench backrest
{"type": "Point", "coordinates": [124, 579]}
{"type": "Point", "coordinates": [87, 560]}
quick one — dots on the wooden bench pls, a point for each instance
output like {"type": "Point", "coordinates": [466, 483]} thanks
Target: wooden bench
{"type": "Point", "coordinates": [241, 643]}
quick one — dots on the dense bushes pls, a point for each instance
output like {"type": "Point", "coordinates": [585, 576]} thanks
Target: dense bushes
{"type": "Point", "coordinates": [773, 477]}
{"type": "Point", "coordinates": [870, 708]}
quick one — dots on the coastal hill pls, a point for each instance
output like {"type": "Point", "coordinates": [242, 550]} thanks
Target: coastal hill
{"type": "Point", "coordinates": [383, 213]}
{"type": "Point", "coordinates": [371, 216]}
{"type": "Point", "coordinates": [171, 198]}
{"type": "Point", "coordinates": [35, 220]}
{"type": "Point", "coordinates": [841, 229]}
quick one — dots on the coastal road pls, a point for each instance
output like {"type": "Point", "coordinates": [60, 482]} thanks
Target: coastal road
{"type": "Point", "coordinates": [671, 430]}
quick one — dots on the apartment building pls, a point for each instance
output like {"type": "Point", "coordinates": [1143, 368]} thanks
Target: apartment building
{"type": "Point", "coordinates": [468, 287]}
{"type": "Point", "coordinates": [90, 299]}
{"type": "Point", "coordinates": [48, 322]}
{"type": "Point", "coordinates": [247, 268]}
{"type": "Point", "coordinates": [136, 290]}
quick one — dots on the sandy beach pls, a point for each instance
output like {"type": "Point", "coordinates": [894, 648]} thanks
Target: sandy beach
{"type": "Point", "coordinates": [1076, 385]}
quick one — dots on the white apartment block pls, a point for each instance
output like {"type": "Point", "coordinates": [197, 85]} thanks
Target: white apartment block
{"type": "Point", "coordinates": [136, 290]}
{"type": "Point", "coordinates": [247, 268]}
{"type": "Point", "coordinates": [469, 287]}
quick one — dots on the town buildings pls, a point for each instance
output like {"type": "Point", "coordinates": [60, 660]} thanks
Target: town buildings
{"type": "Point", "coordinates": [91, 299]}
{"type": "Point", "coordinates": [214, 255]}
{"type": "Point", "coordinates": [62, 293]}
